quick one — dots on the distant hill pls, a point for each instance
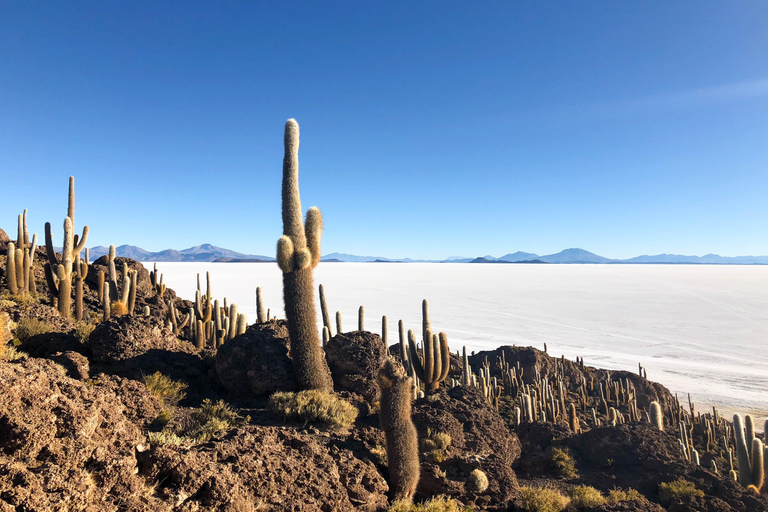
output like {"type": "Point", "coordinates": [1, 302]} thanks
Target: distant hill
{"type": "Point", "coordinates": [574, 256]}
{"type": "Point", "coordinates": [204, 252]}
{"type": "Point", "coordinates": [519, 256]}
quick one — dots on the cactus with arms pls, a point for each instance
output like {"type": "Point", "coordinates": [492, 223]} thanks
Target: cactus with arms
{"type": "Point", "coordinates": [59, 275]}
{"type": "Point", "coordinates": [298, 253]}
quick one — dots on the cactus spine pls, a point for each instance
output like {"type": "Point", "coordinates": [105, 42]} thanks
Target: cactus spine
{"type": "Point", "coordinates": [402, 439]}
{"type": "Point", "coordinates": [59, 275]}
{"type": "Point", "coordinates": [298, 253]}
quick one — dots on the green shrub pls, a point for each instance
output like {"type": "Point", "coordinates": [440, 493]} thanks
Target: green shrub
{"type": "Point", "coordinates": [171, 392]}
{"type": "Point", "coordinates": [314, 405]}
{"type": "Point", "coordinates": [679, 488]}
{"type": "Point", "coordinates": [583, 496]}
{"type": "Point", "coordinates": [9, 353]}
{"type": "Point", "coordinates": [83, 332]}
{"type": "Point", "coordinates": [212, 418]}
{"type": "Point", "coordinates": [437, 504]}
{"type": "Point", "coordinates": [166, 437]}
{"type": "Point", "coordinates": [543, 499]}
{"type": "Point", "coordinates": [617, 495]}
{"type": "Point", "coordinates": [563, 462]}
{"type": "Point", "coordinates": [28, 327]}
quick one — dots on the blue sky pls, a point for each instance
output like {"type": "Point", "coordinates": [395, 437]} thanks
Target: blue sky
{"type": "Point", "coordinates": [428, 129]}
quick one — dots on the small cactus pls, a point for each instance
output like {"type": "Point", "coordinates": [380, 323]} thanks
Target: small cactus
{"type": "Point", "coordinates": [657, 416]}
{"type": "Point", "coordinates": [742, 452]}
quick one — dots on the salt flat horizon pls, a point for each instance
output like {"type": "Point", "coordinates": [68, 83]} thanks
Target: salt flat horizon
{"type": "Point", "coordinates": [697, 329]}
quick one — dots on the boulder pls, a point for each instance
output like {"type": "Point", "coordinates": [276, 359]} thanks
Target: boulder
{"type": "Point", "coordinates": [133, 346]}
{"type": "Point", "coordinates": [266, 468]}
{"type": "Point", "coordinates": [478, 440]}
{"type": "Point", "coordinates": [65, 444]}
{"type": "Point", "coordinates": [354, 359]}
{"type": "Point", "coordinates": [256, 363]}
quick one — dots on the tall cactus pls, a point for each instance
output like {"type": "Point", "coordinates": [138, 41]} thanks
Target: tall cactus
{"type": "Point", "coordinates": [742, 451]}
{"type": "Point", "coordinates": [59, 275]}
{"type": "Point", "coordinates": [298, 253]}
{"type": "Point", "coordinates": [399, 431]}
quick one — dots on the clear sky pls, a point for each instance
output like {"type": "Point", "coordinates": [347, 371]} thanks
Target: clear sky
{"type": "Point", "coordinates": [428, 129]}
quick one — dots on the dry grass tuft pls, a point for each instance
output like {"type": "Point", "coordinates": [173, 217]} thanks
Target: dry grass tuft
{"type": "Point", "coordinates": [584, 496]}
{"type": "Point", "coordinates": [679, 488]}
{"type": "Point", "coordinates": [313, 405]}
{"type": "Point", "coordinates": [543, 499]}
{"type": "Point", "coordinates": [171, 392]}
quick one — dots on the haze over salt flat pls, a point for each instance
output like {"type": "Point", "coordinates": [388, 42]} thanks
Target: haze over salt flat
{"type": "Point", "coordinates": [696, 328]}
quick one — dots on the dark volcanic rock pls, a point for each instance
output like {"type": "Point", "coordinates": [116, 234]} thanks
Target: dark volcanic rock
{"type": "Point", "coordinates": [640, 456]}
{"type": "Point", "coordinates": [256, 363]}
{"type": "Point", "coordinates": [354, 359]}
{"type": "Point", "coordinates": [46, 344]}
{"type": "Point", "coordinates": [66, 445]}
{"type": "Point", "coordinates": [4, 236]}
{"type": "Point", "coordinates": [75, 363]}
{"type": "Point", "coordinates": [135, 346]}
{"type": "Point", "coordinates": [266, 468]}
{"type": "Point", "coordinates": [479, 439]}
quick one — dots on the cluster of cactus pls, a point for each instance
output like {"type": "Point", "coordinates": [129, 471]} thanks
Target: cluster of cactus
{"type": "Point", "coordinates": [210, 325]}
{"type": "Point", "coordinates": [20, 261]}
{"type": "Point", "coordinates": [59, 274]}
{"type": "Point", "coordinates": [550, 398]}
{"type": "Point", "coordinates": [431, 366]}
{"type": "Point", "coordinates": [116, 300]}
{"type": "Point", "coordinates": [399, 431]}
{"type": "Point", "coordinates": [298, 253]}
{"type": "Point", "coordinates": [157, 282]}
{"type": "Point", "coordinates": [752, 455]}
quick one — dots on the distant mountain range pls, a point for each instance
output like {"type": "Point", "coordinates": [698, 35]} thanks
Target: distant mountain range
{"type": "Point", "coordinates": [209, 252]}
{"type": "Point", "coordinates": [204, 252]}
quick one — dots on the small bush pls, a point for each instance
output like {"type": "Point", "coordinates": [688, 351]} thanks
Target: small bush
{"type": "Point", "coordinates": [9, 353]}
{"type": "Point", "coordinates": [171, 392]}
{"type": "Point", "coordinates": [543, 499]}
{"type": "Point", "coordinates": [83, 332]}
{"type": "Point", "coordinates": [212, 418]}
{"type": "Point", "coordinates": [583, 496]}
{"type": "Point", "coordinates": [164, 417]}
{"type": "Point", "coordinates": [618, 495]}
{"type": "Point", "coordinates": [9, 300]}
{"type": "Point", "coordinates": [312, 405]}
{"type": "Point", "coordinates": [380, 454]}
{"type": "Point", "coordinates": [437, 504]}
{"type": "Point", "coordinates": [165, 437]}
{"type": "Point", "coordinates": [563, 462]}
{"type": "Point", "coordinates": [28, 327]}
{"type": "Point", "coordinates": [679, 488]}
{"type": "Point", "coordinates": [477, 481]}
{"type": "Point", "coordinates": [117, 308]}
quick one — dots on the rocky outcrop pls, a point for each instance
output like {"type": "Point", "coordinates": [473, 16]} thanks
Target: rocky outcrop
{"type": "Point", "coordinates": [354, 359]}
{"type": "Point", "coordinates": [256, 363]}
